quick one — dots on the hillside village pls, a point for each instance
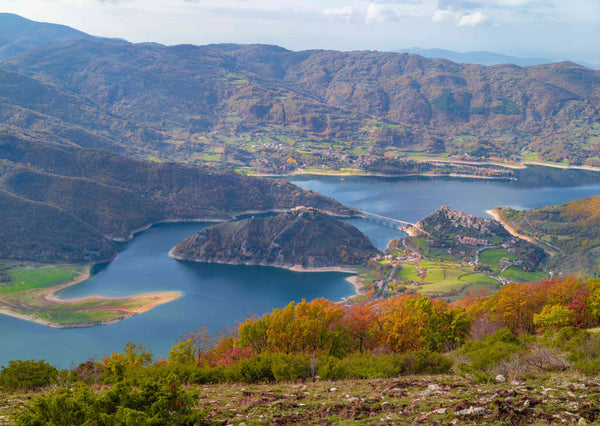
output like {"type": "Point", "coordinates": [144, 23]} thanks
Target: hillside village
{"type": "Point", "coordinates": [450, 253]}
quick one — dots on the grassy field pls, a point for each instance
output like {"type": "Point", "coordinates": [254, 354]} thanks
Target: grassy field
{"type": "Point", "coordinates": [518, 275]}
{"type": "Point", "coordinates": [441, 278]}
{"type": "Point", "coordinates": [27, 291]}
{"type": "Point", "coordinates": [493, 257]}
{"type": "Point", "coordinates": [27, 278]}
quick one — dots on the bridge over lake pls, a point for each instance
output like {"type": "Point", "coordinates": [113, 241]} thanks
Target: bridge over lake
{"type": "Point", "coordinates": [388, 221]}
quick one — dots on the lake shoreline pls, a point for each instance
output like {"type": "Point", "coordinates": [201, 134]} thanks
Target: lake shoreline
{"type": "Point", "coordinates": [352, 279]}
{"type": "Point", "coordinates": [150, 301]}
{"type": "Point", "coordinates": [382, 175]}
{"type": "Point", "coordinates": [294, 268]}
{"type": "Point", "coordinates": [516, 166]}
{"type": "Point", "coordinates": [234, 216]}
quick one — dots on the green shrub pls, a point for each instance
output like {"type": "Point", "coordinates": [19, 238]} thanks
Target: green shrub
{"type": "Point", "coordinates": [484, 354]}
{"type": "Point", "coordinates": [426, 362]}
{"type": "Point", "coordinates": [269, 367]}
{"type": "Point", "coordinates": [291, 367]}
{"type": "Point", "coordinates": [162, 402]}
{"type": "Point", "coordinates": [27, 375]}
{"type": "Point", "coordinates": [585, 355]}
{"type": "Point", "coordinates": [252, 370]}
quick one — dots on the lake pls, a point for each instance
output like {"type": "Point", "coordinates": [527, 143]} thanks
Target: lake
{"type": "Point", "coordinates": [220, 295]}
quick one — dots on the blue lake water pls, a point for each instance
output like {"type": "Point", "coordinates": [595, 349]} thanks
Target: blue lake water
{"type": "Point", "coordinates": [220, 295]}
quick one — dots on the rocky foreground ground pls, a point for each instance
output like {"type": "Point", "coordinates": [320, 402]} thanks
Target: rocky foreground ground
{"type": "Point", "coordinates": [443, 400]}
{"type": "Point", "coordinates": [425, 400]}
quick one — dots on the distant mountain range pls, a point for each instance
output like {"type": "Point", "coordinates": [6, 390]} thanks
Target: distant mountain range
{"type": "Point", "coordinates": [248, 105]}
{"type": "Point", "coordinates": [480, 57]}
{"type": "Point", "coordinates": [18, 34]}
{"type": "Point", "coordinates": [485, 58]}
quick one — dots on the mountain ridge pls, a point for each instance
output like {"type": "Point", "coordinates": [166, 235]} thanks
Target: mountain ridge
{"type": "Point", "coordinates": [183, 101]}
{"type": "Point", "coordinates": [19, 34]}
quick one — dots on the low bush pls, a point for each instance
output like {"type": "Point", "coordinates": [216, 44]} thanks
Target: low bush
{"type": "Point", "coordinates": [27, 375]}
{"type": "Point", "coordinates": [486, 353]}
{"type": "Point", "coordinates": [162, 402]}
{"type": "Point", "coordinates": [360, 366]}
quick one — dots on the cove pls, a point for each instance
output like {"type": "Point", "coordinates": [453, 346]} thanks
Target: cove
{"type": "Point", "coordinates": [220, 295]}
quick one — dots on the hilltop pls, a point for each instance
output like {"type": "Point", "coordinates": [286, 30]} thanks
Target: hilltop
{"type": "Point", "coordinates": [299, 239]}
{"type": "Point", "coordinates": [17, 34]}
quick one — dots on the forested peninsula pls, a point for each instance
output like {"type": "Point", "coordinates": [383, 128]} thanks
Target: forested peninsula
{"type": "Point", "coordinates": [302, 239]}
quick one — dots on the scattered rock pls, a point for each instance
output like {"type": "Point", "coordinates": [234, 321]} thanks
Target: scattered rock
{"type": "Point", "coordinates": [333, 389]}
{"type": "Point", "coordinates": [434, 387]}
{"type": "Point", "coordinates": [425, 393]}
{"type": "Point", "coordinates": [473, 411]}
{"type": "Point", "coordinates": [420, 419]}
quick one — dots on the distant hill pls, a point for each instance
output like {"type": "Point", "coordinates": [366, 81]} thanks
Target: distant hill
{"type": "Point", "coordinates": [570, 230]}
{"type": "Point", "coordinates": [307, 238]}
{"type": "Point", "coordinates": [480, 57]}
{"type": "Point", "coordinates": [18, 34]}
{"type": "Point", "coordinates": [487, 58]}
{"type": "Point", "coordinates": [65, 204]}
{"type": "Point", "coordinates": [260, 106]}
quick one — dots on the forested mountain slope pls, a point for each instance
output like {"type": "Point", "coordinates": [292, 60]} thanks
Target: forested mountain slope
{"type": "Point", "coordinates": [183, 100]}
{"type": "Point", "coordinates": [66, 200]}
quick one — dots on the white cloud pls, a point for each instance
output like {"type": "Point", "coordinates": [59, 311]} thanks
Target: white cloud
{"type": "Point", "coordinates": [377, 12]}
{"type": "Point", "coordinates": [341, 12]}
{"type": "Point", "coordinates": [473, 19]}
{"type": "Point", "coordinates": [443, 15]}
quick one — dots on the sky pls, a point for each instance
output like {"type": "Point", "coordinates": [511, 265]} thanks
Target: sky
{"type": "Point", "coordinates": [549, 28]}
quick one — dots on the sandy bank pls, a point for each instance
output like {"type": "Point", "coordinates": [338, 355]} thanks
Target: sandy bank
{"type": "Point", "coordinates": [512, 231]}
{"type": "Point", "coordinates": [384, 175]}
{"type": "Point", "coordinates": [128, 306]}
{"type": "Point", "coordinates": [358, 287]}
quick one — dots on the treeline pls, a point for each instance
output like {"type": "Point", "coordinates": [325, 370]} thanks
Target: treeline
{"type": "Point", "coordinates": [522, 330]}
